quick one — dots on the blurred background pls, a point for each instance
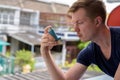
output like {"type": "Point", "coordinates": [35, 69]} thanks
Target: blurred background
{"type": "Point", "coordinates": [21, 26]}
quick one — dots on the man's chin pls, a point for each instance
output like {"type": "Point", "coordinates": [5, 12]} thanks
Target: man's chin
{"type": "Point", "coordinates": [84, 40]}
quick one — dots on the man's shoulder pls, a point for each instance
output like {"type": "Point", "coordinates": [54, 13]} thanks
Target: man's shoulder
{"type": "Point", "coordinates": [115, 35]}
{"type": "Point", "coordinates": [89, 48]}
{"type": "Point", "coordinates": [115, 29]}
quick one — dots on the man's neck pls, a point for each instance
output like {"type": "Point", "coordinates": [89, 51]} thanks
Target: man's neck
{"type": "Point", "coordinates": [104, 38]}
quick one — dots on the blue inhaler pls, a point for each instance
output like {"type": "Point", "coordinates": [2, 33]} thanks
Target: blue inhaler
{"type": "Point", "coordinates": [52, 33]}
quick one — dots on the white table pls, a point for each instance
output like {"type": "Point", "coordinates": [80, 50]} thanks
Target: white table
{"type": "Point", "coordinates": [102, 77]}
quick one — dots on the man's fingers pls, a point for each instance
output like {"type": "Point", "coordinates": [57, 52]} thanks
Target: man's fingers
{"type": "Point", "coordinates": [44, 36]}
{"type": "Point", "coordinates": [47, 28]}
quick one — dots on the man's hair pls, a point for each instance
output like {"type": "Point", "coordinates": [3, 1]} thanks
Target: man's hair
{"type": "Point", "coordinates": [93, 8]}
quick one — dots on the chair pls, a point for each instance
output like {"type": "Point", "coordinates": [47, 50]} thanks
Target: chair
{"type": "Point", "coordinates": [114, 17]}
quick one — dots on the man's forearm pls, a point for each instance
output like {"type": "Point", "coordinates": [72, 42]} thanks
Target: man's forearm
{"type": "Point", "coordinates": [54, 70]}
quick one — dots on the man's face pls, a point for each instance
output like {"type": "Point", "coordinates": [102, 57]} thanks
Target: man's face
{"type": "Point", "coordinates": [83, 25]}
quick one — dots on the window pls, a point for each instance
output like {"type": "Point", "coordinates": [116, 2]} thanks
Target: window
{"type": "Point", "coordinates": [111, 1]}
{"type": "Point", "coordinates": [6, 16]}
{"type": "Point", "coordinates": [25, 18]}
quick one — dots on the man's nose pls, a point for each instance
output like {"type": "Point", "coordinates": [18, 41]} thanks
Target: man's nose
{"type": "Point", "coordinates": [75, 27]}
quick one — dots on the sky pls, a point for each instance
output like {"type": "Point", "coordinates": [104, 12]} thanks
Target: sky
{"type": "Point", "coordinates": [109, 6]}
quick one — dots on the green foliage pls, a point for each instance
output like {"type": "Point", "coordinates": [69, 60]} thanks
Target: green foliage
{"type": "Point", "coordinates": [94, 67]}
{"type": "Point", "coordinates": [7, 54]}
{"type": "Point", "coordinates": [68, 65]}
{"type": "Point", "coordinates": [82, 45]}
{"type": "Point", "coordinates": [24, 57]}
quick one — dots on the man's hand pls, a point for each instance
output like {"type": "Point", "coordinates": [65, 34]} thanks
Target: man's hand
{"type": "Point", "coordinates": [47, 41]}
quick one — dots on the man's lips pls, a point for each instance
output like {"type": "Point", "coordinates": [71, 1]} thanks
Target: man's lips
{"type": "Point", "coordinates": [79, 35]}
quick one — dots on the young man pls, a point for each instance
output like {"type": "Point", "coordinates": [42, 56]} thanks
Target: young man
{"type": "Point", "coordinates": [88, 19]}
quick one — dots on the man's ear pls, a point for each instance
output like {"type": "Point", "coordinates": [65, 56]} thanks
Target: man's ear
{"type": "Point", "coordinates": [98, 20]}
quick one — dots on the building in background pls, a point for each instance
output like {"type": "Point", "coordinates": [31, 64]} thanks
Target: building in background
{"type": "Point", "coordinates": [20, 19]}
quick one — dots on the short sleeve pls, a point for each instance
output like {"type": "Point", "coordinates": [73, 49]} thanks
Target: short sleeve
{"type": "Point", "coordinates": [86, 56]}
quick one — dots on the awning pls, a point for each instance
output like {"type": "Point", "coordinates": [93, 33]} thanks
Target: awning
{"type": "Point", "coordinates": [3, 43]}
{"type": "Point", "coordinates": [30, 38]}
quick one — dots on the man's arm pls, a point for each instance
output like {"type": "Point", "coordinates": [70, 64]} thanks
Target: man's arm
{"type": "Point", "coordinates": [117, 74]}
{"type": "Point", "coordinates": [47, 41]}
{"type": "Point", "coordinates": [74, 73]}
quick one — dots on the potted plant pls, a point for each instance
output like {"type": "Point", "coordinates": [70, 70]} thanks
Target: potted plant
{"type": "Point", "coordinates": [25, 60]}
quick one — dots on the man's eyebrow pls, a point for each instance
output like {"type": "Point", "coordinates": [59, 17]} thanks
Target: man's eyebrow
{"type": "Point", "coordinates": [77, 20]}
{"type": "Point", "coordinates": [74, 22]}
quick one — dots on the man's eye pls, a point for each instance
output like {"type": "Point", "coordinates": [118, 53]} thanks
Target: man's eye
{"type": "Point", "coordinates": [80, 23]}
